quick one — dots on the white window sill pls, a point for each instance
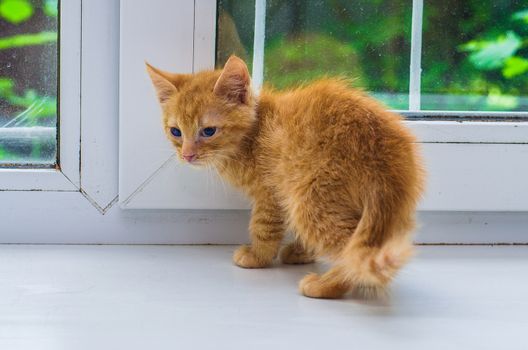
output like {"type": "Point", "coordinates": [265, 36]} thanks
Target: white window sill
{"type": "Point", "coordinates": [146, 297]}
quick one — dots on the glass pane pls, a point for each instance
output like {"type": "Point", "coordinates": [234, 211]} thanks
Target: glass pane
{"type": "Point", "coordinates": [475, 55]}
{"type": "Point", "coordinates": [28, 82]}
{"type": "Point", "coordinates": [366, 40]}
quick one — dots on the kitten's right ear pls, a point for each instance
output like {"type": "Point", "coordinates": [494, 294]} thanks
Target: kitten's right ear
{"type": "Point", "coordinates": [165, 83]}
{"type": "Point", "coordinates": [233, 83]}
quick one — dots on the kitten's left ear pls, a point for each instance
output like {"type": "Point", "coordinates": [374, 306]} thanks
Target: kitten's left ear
{"type": "Point", "coordinates": [165, 83]}
{"type": "Point", "coordinates": [234, 82]}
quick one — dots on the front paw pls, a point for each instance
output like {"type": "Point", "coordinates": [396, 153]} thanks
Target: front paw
{"type": "Point", "coordinates": [245, 257]}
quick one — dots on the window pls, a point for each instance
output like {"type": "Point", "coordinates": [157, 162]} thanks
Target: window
{"type": "Point", "coordinates": [472, 139]}
{"type": "Point", "coordinates": [465, 56]}
{"type": "Point", "coordinates": [28, 83]}
{"type": "Point", "coordinates": [36, 154]}
{"type": "Point", "coordinates": [473, 165]}
{"type": "Point", "coordinates": [368, 41]}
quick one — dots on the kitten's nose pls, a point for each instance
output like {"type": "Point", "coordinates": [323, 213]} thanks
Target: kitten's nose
{"type": "Point", "coordinates": [189, 157]}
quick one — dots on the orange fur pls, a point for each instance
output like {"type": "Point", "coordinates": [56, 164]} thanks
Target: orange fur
{"type": "Point", "coordinates": [324, 160]}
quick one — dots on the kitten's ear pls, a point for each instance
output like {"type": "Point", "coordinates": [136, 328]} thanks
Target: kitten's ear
{"type": "Point", "coordinates": [166, 83]}
{"type": "Point", "coordinates": [234, 82]}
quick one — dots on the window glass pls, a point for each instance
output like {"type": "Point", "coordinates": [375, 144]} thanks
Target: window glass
{"type": "Point", "coordinates": [475, 55]}
{"type": "Point", "coordinates": [28, 82]}
{"type": "Point", "coordinates": [367, 41]}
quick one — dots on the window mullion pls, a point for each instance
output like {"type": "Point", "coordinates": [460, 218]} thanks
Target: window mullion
{"type": "Point", "coordinates": [258, 44]}
{"type": "Point", "coordinates": [416, 56]}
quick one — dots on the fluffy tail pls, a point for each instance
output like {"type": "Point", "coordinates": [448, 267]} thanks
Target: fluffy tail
{"type": "Point", "coordinates": [377, 250]}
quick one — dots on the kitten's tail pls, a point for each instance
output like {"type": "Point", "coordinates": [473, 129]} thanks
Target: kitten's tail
{"type": "Point", "coordinates": [376, 252]}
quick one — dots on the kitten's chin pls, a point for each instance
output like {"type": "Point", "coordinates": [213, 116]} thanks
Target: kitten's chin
{"type": "Point", "coordinates": [195, 164]}
{"type": "Point", "coordinates": [198, 164]}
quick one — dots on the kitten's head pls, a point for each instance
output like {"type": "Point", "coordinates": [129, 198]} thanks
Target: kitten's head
{"type": "Point", "coordinates": [206, 115]}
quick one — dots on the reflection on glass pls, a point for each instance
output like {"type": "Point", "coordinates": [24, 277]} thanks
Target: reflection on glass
{"type": "Point", "coordinates": [475, 55]}
{"type": "Point", "coordinates": [366, 40]}
{"type": "Point", "coordinates": [28, 82]}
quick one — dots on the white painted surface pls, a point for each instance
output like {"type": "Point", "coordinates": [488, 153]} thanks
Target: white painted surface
{"type": "Point", "coordinates": [100, 93]}
{"type": "Point", "coordinates": [34, 180]}
{"type": "Point", "coordinates": [204, 34]}
{"type": "Point", "coordinates": [70, 90]}
{"type": "Point", "coordinates": [106, 297]}
{"type": "Point", "coordinates": [469, 132]}
{"type": "Point", "coordinates": [67, 217]}
{"type": "Point", "coordinates": [474, 177]}
{"type": "Point", "coordinates": [160, 32]}
{"type": "Point", "coordinates": [464, 177]}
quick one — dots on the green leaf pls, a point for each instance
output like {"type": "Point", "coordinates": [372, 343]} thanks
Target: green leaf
{"type": "Point", "coordinates": [521, 16]}
{"type": "Point", "coordinates": [514, 66]}
{"type": "Point", "coordinates": [51, 8]}
{"type": "Point", "coordinates": [489, 55]}
{"type": "Point", "coordinates": [16, 11]}
{"type": "Point", "coordinates": [27, 40]}
{"type": "Point", "coordinates": [6, 86]}
{"type": "Point", "coordinates": [4, 154]}
{"type": "Point", "coordinates": [497, 100]}
{"type": "Point", "coordinates": [41, 106]}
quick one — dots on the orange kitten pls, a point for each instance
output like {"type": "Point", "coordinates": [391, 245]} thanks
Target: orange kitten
{"type": "Point", "coordinates": [326, 161]}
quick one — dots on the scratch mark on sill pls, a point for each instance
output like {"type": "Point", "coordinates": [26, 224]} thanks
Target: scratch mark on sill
{"type": "Point", "coordinates": [144, 184]}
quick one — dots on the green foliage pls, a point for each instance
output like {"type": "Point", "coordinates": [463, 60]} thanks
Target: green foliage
{"type": "Point", "coordinates": [36, 106]}
{"type": "Point", "coordinates": [489, 55]}
{"type": "Point", "coordinates": [514, 66]}
{"type": "Point", "coordinates": [521, 15]}
{"type": "Point", "coordinates": [5, 154]}
{"type": "Point", "coordinates": [22, 90]}
{"type": "Point", "coordinates": [51, 8]}
{"type": "Point", "coordinates": [290, 60]}
{"type": "Point", "coordinates": [22, 40]}
{"type": "Point", "coordinates": [19, 11]}
{"type": "Point", "coordinates": [16, 11]}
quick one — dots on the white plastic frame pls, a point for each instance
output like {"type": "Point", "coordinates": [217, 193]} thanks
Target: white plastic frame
{"type": "Point", "coordinates": [67, 176]}
{"type": "Point", "coordinates": [89, 216]}
{"type": "Point", "coordinates": [88, 131]}
{"type": "Point", "coordinates": [473, 165]}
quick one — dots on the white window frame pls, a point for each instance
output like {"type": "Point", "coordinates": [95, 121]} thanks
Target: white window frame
{"type": "Point", "coordinates": [86, 176]}
{"type": "Point", "coordinates": [34, 209]}
{"type": "Point", "coordinates": [66, 177]}
{"type": "Point", "coordinates": [473, 165]}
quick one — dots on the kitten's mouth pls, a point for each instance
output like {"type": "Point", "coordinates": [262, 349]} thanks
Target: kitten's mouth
{"type": "Point", "coordinates": [195, 163]}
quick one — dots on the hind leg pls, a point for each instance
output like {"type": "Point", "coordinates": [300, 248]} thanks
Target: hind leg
{"type": "Point", "coordinates": [330, 285]}
{"type": "Point", "coordinates": [327, 224]}
{"type": "Point", "coordinates": [296, 253]}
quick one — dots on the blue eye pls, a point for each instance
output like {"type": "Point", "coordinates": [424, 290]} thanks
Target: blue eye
{"type": "Point", "coordinates": [208, 132]}
{"type": "Point", "coordinates": [175, 132]}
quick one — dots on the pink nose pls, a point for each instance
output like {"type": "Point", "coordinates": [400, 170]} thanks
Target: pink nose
{"type": "Point", "coordinates": [189, 157]}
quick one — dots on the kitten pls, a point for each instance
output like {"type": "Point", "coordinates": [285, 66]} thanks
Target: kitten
{"type": "Point", "coordinates": [326, 161]}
